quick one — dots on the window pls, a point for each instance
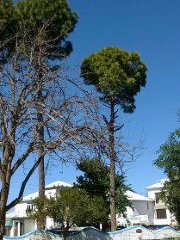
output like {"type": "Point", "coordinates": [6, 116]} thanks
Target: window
{"type": "Point", "coordinates": [29, 207]}
{"type": "Point", "coordinates": [147, 206]}
{"type": "Point", "coordinates": [161, 214]}
{"type": "Point", "coordinates": [21, 228]}
{"type": "Point", "coordinates": [16, 229]}
{"type": "Point", "coordinates": [158, 198]}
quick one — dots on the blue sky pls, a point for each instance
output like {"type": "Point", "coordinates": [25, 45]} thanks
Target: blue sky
{"type": "Point", "coordinates": [152, 29]}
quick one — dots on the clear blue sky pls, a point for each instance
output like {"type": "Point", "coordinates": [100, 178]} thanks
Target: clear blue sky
{"type": "Point", "coordinates": [152, 29]}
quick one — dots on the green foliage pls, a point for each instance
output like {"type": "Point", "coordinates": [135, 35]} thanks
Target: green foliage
{"type": "Point", "coordinates": [71, 206]}
{"type": "Point", "coordinates": [117, 75]}
{"type": "Point", "coordinates": [8, 28]}
{"type": "Point", "coordinates": [96, 181]}
{"type": "Point", "coordinates": [169, 161]}
{"type": "Point", "coordinates": [39, 208]}
{"type": "Point", "coordinates": [169, 156]}
{"type": "Point", "coordinates": [78, 207]}
{"type": "Point", "coordinates": [46, 21]}
{"type": "Point", "coordinates": [54, 15]}
{"type": "Point", "coordinates": [6, 18]}
{"type": "Point", "coordinates": [171, 196]}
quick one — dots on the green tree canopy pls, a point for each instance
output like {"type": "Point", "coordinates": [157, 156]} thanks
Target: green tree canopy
{"type": "Point", "coordinates": [95, 180]}
{"type": "Point", "coordinates": [169, 161]}
{"type": "Point", "coordinates": [71, 206]}
{"type": "Point", "coordinates": [116, 74]}
{"type": "Point", "coordinates": [82, 209]}
{"type": "Point", "coordinates": [169, 156]}
{"type": "Point", "coordinates": [8, 29]}
{"type": "Point", "coordinates": [45, 24]}
{"type": "Point", "coordinates": [7, 15]}
{"type": "Point", "coordinates": [48, 22]}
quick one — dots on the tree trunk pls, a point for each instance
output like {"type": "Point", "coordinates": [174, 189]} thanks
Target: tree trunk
{"type": "Point", "coordinates": [112, 168]}
{"type": "Point", "coordinates": [2, 224]}
{"type": "Point", "coordinates": [64, 233]}
{"type": "Point", "coordinates": [3, 203]}
{"type": "Point", "coordinates": [41, 172]}
{"type": "Point", "coordinates": [41, 222]}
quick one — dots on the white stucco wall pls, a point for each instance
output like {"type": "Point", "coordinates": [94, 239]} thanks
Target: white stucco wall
{"type": "Point", "coordinates": [144, 208]}
{"type": "Point", "coordinates": [141, 212]}
{"type": "Point", "coordinates": [49, 223]}
{"type": "Point", "coordinates": [151, 193]}
{"type": "Point", "coordinates": [20, 209]}
{"type": "Point", "coordinates": [166, 221]}
{"type": "Point", "coordinates": [29, 225]}
{"type": "Point", "coordinates": [141, 207]}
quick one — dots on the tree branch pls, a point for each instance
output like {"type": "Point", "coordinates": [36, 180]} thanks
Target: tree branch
{"type": "Point", "coordinates": [22, 158]}
{"type": "Point", "coordinates": [23, 185]}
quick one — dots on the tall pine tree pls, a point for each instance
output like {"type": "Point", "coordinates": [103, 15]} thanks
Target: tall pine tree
{"type": "Point", "coordinates": [118, 76]}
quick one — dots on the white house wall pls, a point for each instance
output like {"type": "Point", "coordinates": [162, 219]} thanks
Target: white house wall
{"type": "Point", "coordinates": [20, 209]}
{"type": "Point", "coordinates": [29, 225]}
{"type": "Point", "coordinates": [141, 212]}
{"type": "Point", "coordinates": [141, 207]}
{"type": "Point", "coordinates": [152, 190]}
{"type": "Point", "coordinates": [151, 193]}
{"type": "Point", "coordinates": [49, 223]}
{"type": "Point", "coordinates": [144, 208]}
{"type": "Point", "coordinates": [166, 221]}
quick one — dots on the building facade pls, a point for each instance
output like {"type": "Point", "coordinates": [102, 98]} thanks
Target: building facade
{"type": "Point", "coordinates": [141, 211]}
{"type": "Point", "coordinates": [18, 223]}
{"type": "Point", "coordinates": [150, 210]}
{"type": "Point", "coordinates": [162, 215]}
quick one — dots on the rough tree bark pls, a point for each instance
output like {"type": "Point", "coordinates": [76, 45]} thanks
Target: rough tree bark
{"type": "Point", "coordinates": [112, 167]}
{"type": "Point", "coordinates": [3, 202]}
{"type": "Point", "coordinates": [41, 173]}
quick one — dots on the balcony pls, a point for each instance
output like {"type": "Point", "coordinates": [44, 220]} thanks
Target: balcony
{"type": "Point", "coordinates": [139, 219]}
{"type": "Point", "coordinates": [160, 206]}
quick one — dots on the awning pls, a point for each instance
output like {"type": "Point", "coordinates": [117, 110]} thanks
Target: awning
{"type": "Point", "coordinates": [9, 223]}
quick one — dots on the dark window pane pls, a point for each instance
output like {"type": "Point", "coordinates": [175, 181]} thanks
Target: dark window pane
{"type": "Point", "coordinates": [161, 213]}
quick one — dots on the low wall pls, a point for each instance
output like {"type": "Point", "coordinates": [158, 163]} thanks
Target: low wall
{"type": "Point", "coordinates": [91, 233]}
{"type": "Point", "coordinates": [140, 232]}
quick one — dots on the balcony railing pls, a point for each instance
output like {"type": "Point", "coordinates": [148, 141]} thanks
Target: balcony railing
{"type": "Point", "coordinates": [139, 218]}
{"type": "Point", "coordinates": [160, 206]}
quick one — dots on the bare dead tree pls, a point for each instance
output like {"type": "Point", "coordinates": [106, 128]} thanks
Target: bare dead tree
{"type": "Point", "coordinates": [41, 31]}
{"type": "Point", "coordinates": [64, 119]}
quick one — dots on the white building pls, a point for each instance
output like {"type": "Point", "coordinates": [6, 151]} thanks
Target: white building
{"type": "Point", "coordinates": [141, 211]}
{"type": "Point", "coordinates": [162, 215]}
{"type": "Point", "coordinates": [148, 210]}
{"type": "Point", "coordinates": [17, 222]}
